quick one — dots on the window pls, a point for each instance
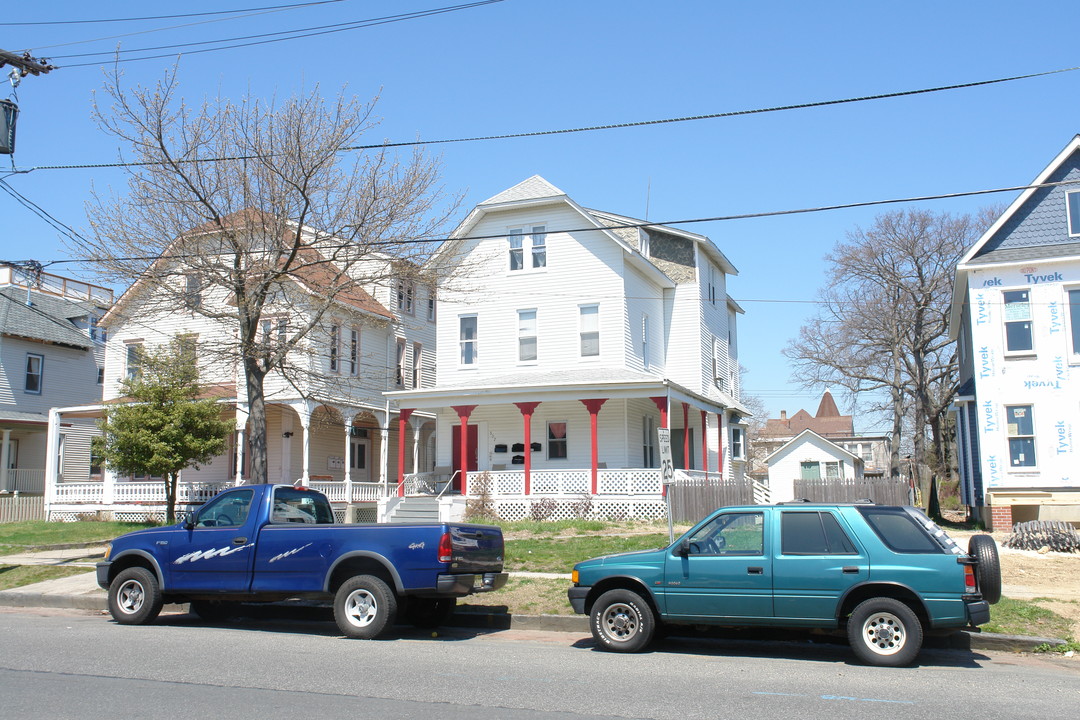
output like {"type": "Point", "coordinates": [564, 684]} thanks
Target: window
{"type": "Point", "coordinates": [1072, 203]}
{"type": "Point", "coordinates": [226, 510]}
{"type": "Point", "coordinates": [101, 376]}
{"type": "Point", "coordinates": [406, 297]}
{"type": "Point", "coordinates": [556, 449]}
{"type": "Point", "coordinates": [526, 335]}
{"type": "Point", "coordinates": [729, 534]}
{"type": "Point", "coordinates": [517, 254]}
{"type": "Point", "coordinates": [335, 348]}
{"type": "Point", "coordinates": [354, 351]}
{"type": "Point", "coordinates": [712, 285]}
{"type": "Point", "coordinates": [590, 330]}
{"type": "Point", "coordinates": [1074, 319]}
{"type": "Point", "coordinates": [98, 332]}
{"type": "Point", "coordinates": [293, 505]}
{"type": "Point", "coordinates": [899, 530]}
{"type": "Point", "coordinates": [192, 290]}
{"type": "Point", "coordinates": [645, 360]}
{"type": "Point", "coordinates": [737, 443]}
{"type": "Point", "coordinates": [539, 246]}
{"type": "Point", "coordinates": [813, 533]}
{"type": "Point", "coordinates": [648, 442]}
{"type": "Point", "coordinates": [134, 360]}
{"type": "Point", "coordinates": [417, 367]}
{"type": "Point", "coordinates": [399, 373]}
{"type": "Point", "coordinates": [832, 470]}
{"type": "Point", "coordinates": [431, 306]}
{"type": "Point", "coordinates": [35, 368]}
{"type": "Point", "coordinates": [1020, 427]}
{"type": "Point", "coordinates": [467, 339]}
{"type": "Point", "coordinates": [274, 330]}
{"type": "Point", "coordinates": [1018, 335]}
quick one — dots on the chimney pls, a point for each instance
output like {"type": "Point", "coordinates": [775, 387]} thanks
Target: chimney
{"type": "Point", "coordinates": [783, 414]}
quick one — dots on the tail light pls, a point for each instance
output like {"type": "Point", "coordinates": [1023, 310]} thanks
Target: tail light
{"type": "Point", "coordinates": [446, 548]}
{"type": "Point", "coordinates": [969, 578]}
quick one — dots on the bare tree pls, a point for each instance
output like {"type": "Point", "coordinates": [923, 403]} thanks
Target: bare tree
{"type": "Point", "coordinates": [881, 331]}
{"type": "Point", "coordinates": [245, 213]}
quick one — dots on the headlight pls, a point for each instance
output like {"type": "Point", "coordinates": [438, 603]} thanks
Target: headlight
{"type": "Point", "coordinates": [108, 550]}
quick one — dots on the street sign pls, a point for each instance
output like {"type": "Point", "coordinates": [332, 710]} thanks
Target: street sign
{"type": "Point", "coordinates": [667, 473]}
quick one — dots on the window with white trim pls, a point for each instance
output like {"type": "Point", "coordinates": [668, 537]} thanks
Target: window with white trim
{"type": "Point", "coordinates": [406, 296]}
{"type": "Point", "coordinates": [648, 442]}
{"type": "Point", "coordinates": [1017, 319]}
{"type": "Point", "coordinates": [515, 238]}
{"type": "Point", "coordinates": [526, 335]}
{"type": "Point", "coordinates": [134, 360]}
{"type": "Point", "coordinates": [431, 305]}
{"type": "Point", "coordinates": [539, 246]}
{"type": "Point", "coordinates": [1074, 322]}
{"type": "Point", "coordinates": [645, 359]}
{"type": "Point", "coordinates": [417, 365]}
{"type": "Point", "coordinates": [399, 375]}
{"type": "Point", "coordinates": [590, 330]}
{"type": "Point", "coordinates": [556, 449]}
{"type": "Point", "coordinates": [35, 370]}
{"type": "Point", "coordinates": [192, 290]}
{"type": "Point", "coordinates": [335, 348]}
{"type": "Point", "coordinates": [1020, 428]}
{"type": "Point", "coordinates": [467, 339]}
{"type": "Point", "coordinates": [737, 451]}
{"type": "Point", "coordinates": [1072, 206]}
{"type": "Point", "coordinates": [354, 351]}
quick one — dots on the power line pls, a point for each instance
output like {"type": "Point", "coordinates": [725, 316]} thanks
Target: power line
{"type": "Point", "coordinates": [168, 17]}
{"type": "Point", "coordinates": [592, 128]}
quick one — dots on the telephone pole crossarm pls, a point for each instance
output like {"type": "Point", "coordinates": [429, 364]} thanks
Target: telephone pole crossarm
{"type": "Point", "coordinates": [26, 64]}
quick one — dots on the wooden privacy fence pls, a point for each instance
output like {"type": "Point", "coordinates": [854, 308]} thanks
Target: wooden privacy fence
{"type": "Point", "coordinates": [17, 507]}
{"type": "Point", "coordinates": [882, 491]}
{"type": "Point", "coordinates": [693, 496]}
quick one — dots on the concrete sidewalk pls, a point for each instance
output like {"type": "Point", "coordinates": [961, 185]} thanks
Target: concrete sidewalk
{"type": "Point", "coordinates": [81, 592]}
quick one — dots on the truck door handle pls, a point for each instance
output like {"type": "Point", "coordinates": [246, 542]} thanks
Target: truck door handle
{"type": "Point", "coordinates": [755, 571]}
{"type": "Point", "coordinates": [239, 540]}
{"type": "Point", "coordinates": [851, 570]}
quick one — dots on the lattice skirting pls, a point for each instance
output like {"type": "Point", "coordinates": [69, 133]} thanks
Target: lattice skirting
{"type": "Point", "coordinates": [584, 507]}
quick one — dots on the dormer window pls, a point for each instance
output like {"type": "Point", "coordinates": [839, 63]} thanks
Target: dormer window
{"type": "Point", "coordinates": [1072, 205]}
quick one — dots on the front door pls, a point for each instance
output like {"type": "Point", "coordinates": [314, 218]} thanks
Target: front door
{"type": "Point", "coordinates": [471, 442]}
{"type": "Point", "coordinates": [216, 555]}
{"type": "Point", "coordinates": [358, 461]}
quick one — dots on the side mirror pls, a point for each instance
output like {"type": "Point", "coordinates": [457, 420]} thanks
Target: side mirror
{"type": "Point", "coordinates": [188, 519]}
{"type": "Point", "coordinates": [684, 547]}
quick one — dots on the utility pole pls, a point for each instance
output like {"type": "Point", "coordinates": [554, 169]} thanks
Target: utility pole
{"type": "Point", "coordinates": [26, 64]}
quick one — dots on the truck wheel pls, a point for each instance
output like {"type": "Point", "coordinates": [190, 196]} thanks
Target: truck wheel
{"type": "Point", "coordinates": [135, 597]}
{"type": "Point", "coordinates": [622, 621]}
{"type": "Point", "coordinates": [884, 632]}
{"type": "Point", "coordinates": [429, 612]}
{"type": "Point", "coordinates": [988, 568]}
{"type": "Point", "coordinates": [364, 606]}
{"type": "Point", "coordinates": [213, 610]}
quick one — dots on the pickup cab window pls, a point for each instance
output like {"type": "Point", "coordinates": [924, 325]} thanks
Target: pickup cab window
{"type": "Point", "coordinates": [729, 534]}
{"type": "Point", "coordinates": [813, 533]}
{"type": "Point", "coordinates": [226, 510]}
{"type": "Point", "coordinates": [292, 505]}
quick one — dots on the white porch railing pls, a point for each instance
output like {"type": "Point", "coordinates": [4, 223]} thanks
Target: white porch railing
{"type": "Point", "coordinates": [80, 492]}
{"type": "Point", "coordinates": [629, 481]}
{"type": "Point", "coordinates": [24, 480]}
{"type": "Point", "coordinates": [335, 491]}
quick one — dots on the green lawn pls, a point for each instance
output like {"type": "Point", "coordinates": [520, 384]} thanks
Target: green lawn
{"type": "Point", "coordinates": [19, 536]}
{"type": "Point", "coordinates": [12, 576]}
{"type": "Point", "coordinates": [558, 554]}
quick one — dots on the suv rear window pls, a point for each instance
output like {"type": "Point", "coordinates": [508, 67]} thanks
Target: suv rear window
{"type": "Point", "coordinates": [900, 531]}
{"type": "Point", "coordinates": [813, 533]}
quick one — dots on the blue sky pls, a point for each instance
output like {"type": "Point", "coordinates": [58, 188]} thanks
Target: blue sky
{"type": "Point", "coordinates": [525, 65]}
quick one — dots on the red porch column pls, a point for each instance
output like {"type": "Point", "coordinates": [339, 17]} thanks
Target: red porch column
{"type": "Point", "coordinates": [720, 444]}
{"type": "Point", "coordinates": [527, 409]}
{"type": "Point", "coordinates": [463, 413]}
{"type": "Point", "coordinates": [593, 406]}
{"type": "Point", "coordinates": [705, 444]}
{"type": "Point", "coordinates": [403, 419]}
{"type": "Point", "coordinates": [686, 436]}
{"type": "Point", "coordinates": [661, 405]}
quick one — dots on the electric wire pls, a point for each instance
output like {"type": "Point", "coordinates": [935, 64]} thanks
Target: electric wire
{"type": "Point", "coordinates": [169, 17]}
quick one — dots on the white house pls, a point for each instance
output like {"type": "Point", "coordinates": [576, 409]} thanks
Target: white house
{"type": "Point", "coordinates": [51, 353]}
{"type": "Point", "coordinates": [565, 337]}
{"type": "Point", "coordinates": [328, 424]}
{"type": "Point", "coordinates": [1016, 319]}
{"type": "Point", "coordinates": [809, 457]}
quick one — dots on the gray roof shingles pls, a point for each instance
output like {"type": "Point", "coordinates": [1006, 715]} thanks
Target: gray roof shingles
{"type": "Point", "coordinates": [47, 318]}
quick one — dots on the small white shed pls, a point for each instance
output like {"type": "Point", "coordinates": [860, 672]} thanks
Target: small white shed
{"type": "Point", "coordinates": [809, 456]}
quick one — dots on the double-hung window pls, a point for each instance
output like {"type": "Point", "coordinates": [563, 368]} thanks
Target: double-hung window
{"type": "Point", "coordinates": [556, 449]}
{"type": "Point", "coordinates": [406, 297]}
{"type": "Point", "coordinates": [517, 252]}
{"type": "Point", "coordinates": [539, 246]}
{"type": "Point", "coordinates": [35, 370]}
{"type": "Point", "coordinates": [467, 339]}
{"type": "Point", "coordinates": [134, 360]}
{"type": "Point", "coordinates": [1018, 332]}
{"type": "Point", "coordinates": [515, 238]}
{"type": "Point", "coordinates": [399, 376]}
{"type": "Point", "coordinates": [526, 335]}
{"type": "Point", "coordinates": [417, 365]}
{"type": "Point", "coordinates": [590, 330]}
{"type": "Point", "coordinates": [737, 451]}
{"type": "Point", "coordinates": [1072, 205]}
{"type": "Point", "coordinates": [335, 348]}
{"type": "Point", "coordinates": [1020, 428]}
{"type": "Point", "coordinates": [354, 351]}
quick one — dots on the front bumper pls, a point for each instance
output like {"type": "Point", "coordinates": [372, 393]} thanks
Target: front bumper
{"type": "Point", "coordinates": [102, 569]}
{"type": "Point", "coordinates": [577, 595]}
{"type": "Point", "coordinates": [978, 612]}
{"type": "Point", "coordinates": [461, 585]}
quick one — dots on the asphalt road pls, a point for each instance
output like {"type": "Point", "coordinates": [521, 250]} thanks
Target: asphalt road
{"type": "Point", "coordinates": [76, 664]}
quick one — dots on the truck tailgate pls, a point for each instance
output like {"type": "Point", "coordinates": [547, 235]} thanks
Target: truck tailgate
{"type": "Point", "coordinates": [476, 548]}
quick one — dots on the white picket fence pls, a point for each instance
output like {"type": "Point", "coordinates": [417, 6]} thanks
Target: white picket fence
{"type": "Point", "coordinates": [17, 507]}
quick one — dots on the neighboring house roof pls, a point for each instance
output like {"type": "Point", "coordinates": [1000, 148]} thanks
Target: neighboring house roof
{"type": "Point", "coordinates": [46, 318]}
{"type": "Point", "coordinates": [811, 436]}
{"type": "Point", "coordinates": [827, 421]}
{"type": "Point", "coordinates": [1030, 228]}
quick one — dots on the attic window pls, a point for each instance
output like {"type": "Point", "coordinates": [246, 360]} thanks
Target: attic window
{"type": "Point", "coordinates": [1072, 203]}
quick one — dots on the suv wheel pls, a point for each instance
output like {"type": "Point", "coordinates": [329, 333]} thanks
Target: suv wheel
{"type": "Point", "coordinates": [988, 567]}
{"type": "Point", "coordinates": [885, 632]}
{"type": "Point", "coordinates": [622, 621]}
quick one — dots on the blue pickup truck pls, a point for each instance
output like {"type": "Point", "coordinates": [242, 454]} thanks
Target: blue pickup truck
{"type": "Point", "coordinates": [267, 543]}
{"type": "Point", "coordinates": [880, 573]}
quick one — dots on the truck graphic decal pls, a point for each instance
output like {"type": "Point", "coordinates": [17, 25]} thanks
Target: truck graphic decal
{"type": "Point", "coordinates": [288, 553]}
{"type": "Point", "coordinates": [207, 554]}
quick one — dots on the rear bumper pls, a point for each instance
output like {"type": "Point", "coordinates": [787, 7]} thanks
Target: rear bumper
{"type": "Point", "coordinates": [461, 585]}
{"type": "Point", "coordinates": [576, 595]}
{"type": "Point", "coordinates": [978, 612]}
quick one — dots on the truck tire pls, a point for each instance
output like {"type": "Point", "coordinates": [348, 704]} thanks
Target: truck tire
{"type": "Point", "coordinates": [622, 621]}
{"type": "Point", "coordinates": [884, 632]}
{"type": "Point", "coordinates": [987, 568]}
{"type": "Point", "coordinates": [135, 597]}
{"type": "Point", "coordinates": [429, 612]}
{"type": "Point", "coordinates": [364, 607]}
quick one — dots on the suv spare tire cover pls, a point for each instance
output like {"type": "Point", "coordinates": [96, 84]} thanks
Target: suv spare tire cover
{"type": "Point", "coordinates": [987, 568]}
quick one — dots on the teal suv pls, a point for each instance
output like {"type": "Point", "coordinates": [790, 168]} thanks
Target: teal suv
{"type": "Point", "coordinates": [883, 574]}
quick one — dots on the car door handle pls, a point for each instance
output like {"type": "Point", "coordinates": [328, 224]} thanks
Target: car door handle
{"type": "Point", "coordinates": [239, 540]}
{"type": "Point", "coordinates": [851, 570]}
{"type": "Point", "coordinates": [755, 571]}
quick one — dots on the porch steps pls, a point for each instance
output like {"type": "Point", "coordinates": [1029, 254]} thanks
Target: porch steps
{"type": "Point", "coordinates": [416, 509]}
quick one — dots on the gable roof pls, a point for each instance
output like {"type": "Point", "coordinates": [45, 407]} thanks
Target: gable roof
{"type": "Point", "coordinates": [1045, 236]}
{"type": "Point", "coordinates": [827, 421]}
{"type": "Point", "coordinates": [46, 319]}
{"type": "Point", "coordinates": [533, 188]}
{"type": "Point", "coordinates": [811, 436]}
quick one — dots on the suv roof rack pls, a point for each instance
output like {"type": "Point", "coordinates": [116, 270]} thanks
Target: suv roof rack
{"type": "Point", "coordinates": [796, 501]}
